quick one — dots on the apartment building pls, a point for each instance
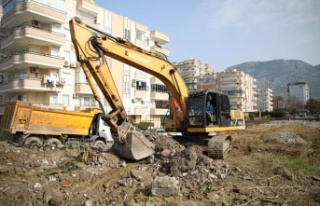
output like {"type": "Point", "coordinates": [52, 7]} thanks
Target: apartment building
{"type": "Point", "coordinates": [38, 62]}
{"type": "Point", "coordinates": [265, 99]}
{"type": "Point", "coordinates": [196, 74]}
{"type": "Point", "coordinates": [299, 90]}
{"type": "Point", "coordinates": [241, 89]}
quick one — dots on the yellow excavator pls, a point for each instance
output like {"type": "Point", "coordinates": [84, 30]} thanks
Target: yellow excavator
{"type": "Point", "coordinates": [190, 116]}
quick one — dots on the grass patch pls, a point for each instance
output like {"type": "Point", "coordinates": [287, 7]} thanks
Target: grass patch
{"type": "Point", "coordinates": [63, 167]}
{"type": "Point", "coordinates": [302, 164]}
{"type": "Point", "coordinates": [2, 136]}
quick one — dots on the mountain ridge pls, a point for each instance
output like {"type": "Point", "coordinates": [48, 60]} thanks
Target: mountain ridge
{"type": "Point", "coordinates": [277, 73]}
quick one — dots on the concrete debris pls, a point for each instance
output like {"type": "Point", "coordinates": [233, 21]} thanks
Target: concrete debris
{"type": "Point", "coordinates": [286, 138]}
{"type": "Point", "coordinates": [165, 186]}
{"type": "Point", "coordinates": [52, 197]}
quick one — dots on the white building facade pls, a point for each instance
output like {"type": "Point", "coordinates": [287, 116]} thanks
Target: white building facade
{"type": "Point", "coordinates": [299, 90]}
{"type": "Point", "coordinates": [264, 99]}
{"type": "Point", "coordinates": [38, 62]}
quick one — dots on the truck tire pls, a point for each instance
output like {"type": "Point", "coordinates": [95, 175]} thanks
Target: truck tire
{"type": "Point", "coordinates": [33, 142]}
{"type": "Point", "coordinates": [101, 146]}
{"type": "Point", "coordinates": [53, 143]}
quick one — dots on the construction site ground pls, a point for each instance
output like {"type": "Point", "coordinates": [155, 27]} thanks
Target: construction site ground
{"type": "Point", "coordinates": [271, 163]}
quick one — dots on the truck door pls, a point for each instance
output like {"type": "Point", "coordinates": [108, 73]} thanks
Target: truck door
{"type": "Point", "coordinates": [104, 129]}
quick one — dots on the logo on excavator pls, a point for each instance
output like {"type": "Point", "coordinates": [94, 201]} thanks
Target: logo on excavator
{"type": "Point", "coordinates": [137, 57]}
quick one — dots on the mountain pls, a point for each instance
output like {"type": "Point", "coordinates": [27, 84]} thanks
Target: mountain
{"type": "Point", "coordinates": [276, 74]}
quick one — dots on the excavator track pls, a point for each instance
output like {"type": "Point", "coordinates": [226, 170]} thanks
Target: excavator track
{"type": "Point", "coordinates": [219, 146]}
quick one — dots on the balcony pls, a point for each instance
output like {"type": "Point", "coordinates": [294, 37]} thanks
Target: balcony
{"type": "Point", "coordinates": [140, 75]}
{"type": "Point", "coordinates": [142, 44]}
{"type": "Point", "coordinates": [159, 37]}
{"type": "Point", "coordinates": [25, 35]}
{"type": "Point", "coordinates": [29, 84]}
{"type": "Point", "coordinates": [82, 88]}
{"type": "Point", "coordinates": [154, 80]}
{"type": "Point", "coordinates": [159, 96]}
{"type": "Point", "coordinates": [161, 50]}
{"type": "Point", "coordinates": [141, 110]}
{"type": "Point", "coordinates": [157, 111]}
{"type": "Point", "coordinates": [88, 7]}
{"type": "Point", "coordinates": [24, 59]}
{"type": "Point", "coordinates": [141, 93]}
{"type": "Point", "coordinates": [27, 11]}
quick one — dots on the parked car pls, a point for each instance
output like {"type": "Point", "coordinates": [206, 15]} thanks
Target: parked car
{"type": "Point", "coordinates": [161, 132]}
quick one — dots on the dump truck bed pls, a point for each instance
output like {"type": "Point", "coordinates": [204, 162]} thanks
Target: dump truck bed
{"type": "Point", "coordinates": [26, 118]}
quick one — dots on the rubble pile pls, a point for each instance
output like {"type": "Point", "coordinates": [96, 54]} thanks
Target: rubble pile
{"type": "Point", "coordinates": [286, 138]}
{"type": "Point", "coordinates": [182, 175]}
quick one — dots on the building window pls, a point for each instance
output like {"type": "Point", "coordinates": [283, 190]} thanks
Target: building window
{"type": "Point", "coordinates": [22, 97]}
{"type": "Point", "coordinates": [127, 34]}
{"type": "Point", "coordinates": [86, 101]}
{"type": "Point", "coordinates": [65, 100]}
{"type": "Point", "coordinates": [159, 88]}
{"type": "Point", "coordinates": [141, 35]}
{"type": "Point", "coordinates": [23, 75]}
{"type": "Point", "coordinates": [66, 78]}
{"type": "Point", "coordinates": [141, 86]}
{"type": "Point", "coordinates": [53, 100]}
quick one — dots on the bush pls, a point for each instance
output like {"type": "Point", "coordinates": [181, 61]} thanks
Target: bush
{"type": "Point", "coordinates": [144, 125]}
{"type": "Point", "coordinates": [278, 114]}
{"type": "Point", "coordinates": [2, 136]}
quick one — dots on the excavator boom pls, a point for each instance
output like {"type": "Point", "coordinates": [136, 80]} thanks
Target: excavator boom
{"type": "Point", "coordinates": [129, 142]}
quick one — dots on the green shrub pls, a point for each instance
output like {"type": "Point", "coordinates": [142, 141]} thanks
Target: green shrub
{"type": "Point", "coordinates": [145, 125]}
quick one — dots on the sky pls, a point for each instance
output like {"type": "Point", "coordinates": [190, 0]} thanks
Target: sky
{"type": "Point", "coordinates": [224, 33]}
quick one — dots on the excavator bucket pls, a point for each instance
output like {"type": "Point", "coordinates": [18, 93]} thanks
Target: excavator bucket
{"type": "Point", "coordinates": [135, 147]}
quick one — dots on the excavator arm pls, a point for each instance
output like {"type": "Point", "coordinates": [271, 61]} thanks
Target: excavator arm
{"type": "Point", "coordinates": [129, 142]}
{"type": "Point", "coordinates": [94, 47]}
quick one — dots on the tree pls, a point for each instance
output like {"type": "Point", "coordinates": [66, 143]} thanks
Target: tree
{"type": "Point", "coordinates": [293, 104]}
{"type": "Point", "coordinates": [277, 101]}
{"type": "Point", "coordinates": [313, 106]}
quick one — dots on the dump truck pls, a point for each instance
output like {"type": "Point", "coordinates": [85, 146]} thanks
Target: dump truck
{"type": "Point", "coordinates": [28, 124]}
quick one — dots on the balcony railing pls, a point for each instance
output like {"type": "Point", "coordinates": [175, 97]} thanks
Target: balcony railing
{"type": "Point", "coordinates": [160, 50]}
{"type": "Point", "coordinates": [157, 111]}
{"type": "Point", "coordinates": [37, 35]}
{"type": "Point", "coordinates": [82, 88]}
{"type": "Point", "coordinates": [141, 93]}
{"type": "Point", "coordinates": [86, 6]}
{"type": "Point", "coordinates": [31, 58]}
{"type": "Point", "coordinates": [159, 96]}
{"type": "Point", "coordinates": [31, 9]}
{"type": "Point", "coordinates": [27, 84]}
{"type": "Point", "coordinates": [159, 37]}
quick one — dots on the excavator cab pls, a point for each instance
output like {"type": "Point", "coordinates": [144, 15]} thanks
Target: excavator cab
{"type": "Point", "coordinates": [208, 108]}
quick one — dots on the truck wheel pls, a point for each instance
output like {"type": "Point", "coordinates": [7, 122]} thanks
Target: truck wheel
{"type": "Point", "coordinates": [100, 145]}
{"type": "Point", "coordinates": [33, 142]}
{"type": "Point", "coordinates": [53, 143]}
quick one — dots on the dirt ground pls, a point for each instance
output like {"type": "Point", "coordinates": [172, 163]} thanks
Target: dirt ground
{"type": "Point", "coordinates": [275, 163]}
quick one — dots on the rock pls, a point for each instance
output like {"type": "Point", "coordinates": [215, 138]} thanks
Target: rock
{"type": "Point", "coordinates": [37, 185]}
{"type": "Point", "coordinates": [140, 175]}
{"type": "Point", "coordinates": [283, 172]}
{"type": "Point", "coordinates": [165, 186]}
{"type": "Point", "coordinates": [213, 197]}
{"type": "Point", "coordinates": [315, 178]}
{"type": "Point", "coordinates": [184, 162]}
{"type": "Point", "coordinates": [88, 203]}
{"type": "Point", "coordinates": [165, 152]}
{"type": "Point", "coordinates": [52, 197]}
